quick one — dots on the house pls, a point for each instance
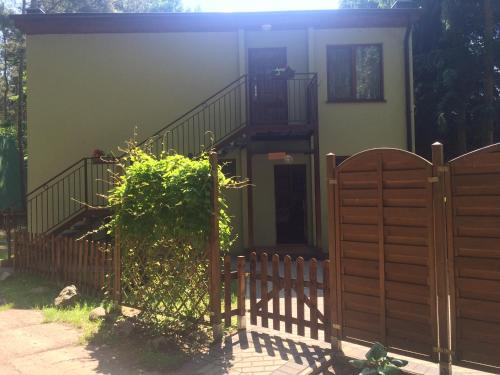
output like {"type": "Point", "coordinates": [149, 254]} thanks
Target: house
{"type": "Point", "coordinates": [273, 92]}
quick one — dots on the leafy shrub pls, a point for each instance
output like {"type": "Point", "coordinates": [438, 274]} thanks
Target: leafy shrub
{"type": "Point", "coordinates": [378, 363]}
{"type": "Point", "coordinates": [162, 208]}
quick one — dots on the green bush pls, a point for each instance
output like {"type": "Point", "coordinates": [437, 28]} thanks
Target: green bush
{"type": "Point", "coordinates": [162, 209]}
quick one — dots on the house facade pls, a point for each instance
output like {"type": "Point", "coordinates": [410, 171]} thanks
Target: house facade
{"type": "Point", "coordinates": [272, 92]}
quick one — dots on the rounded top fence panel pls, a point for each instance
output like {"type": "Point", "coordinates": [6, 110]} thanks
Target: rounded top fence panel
{"type": "Point", "coordinates": [393, 159]}
{"type": "Point", "coordinates": [483, 160]}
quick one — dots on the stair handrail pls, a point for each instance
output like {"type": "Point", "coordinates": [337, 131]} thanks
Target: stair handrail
{"type": "Point", "coordinates": [157, 133]}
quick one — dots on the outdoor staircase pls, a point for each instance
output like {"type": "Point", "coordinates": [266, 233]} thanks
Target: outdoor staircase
{"type": "Point", "coordinates": [74, 200]}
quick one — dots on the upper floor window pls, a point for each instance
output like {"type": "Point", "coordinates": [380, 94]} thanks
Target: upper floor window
{"type": "Point", "coordinates": [355, 73]}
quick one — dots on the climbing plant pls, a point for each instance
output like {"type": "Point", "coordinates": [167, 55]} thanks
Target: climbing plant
{"type": "Point", "coordinates": [161, 209]}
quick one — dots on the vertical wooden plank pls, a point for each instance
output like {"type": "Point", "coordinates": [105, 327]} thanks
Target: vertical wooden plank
{"type": "Point", "coordinates": [451, 257]}
{"type": "Point", "coordinates": [381, 248]}
{"type": "Point", "coordinates": [300, 296]}
{"type": "Point", "coordinates": [253, 288]}
{"type": "Point", "coordinates": [102, 267]}
{"type": "Point", "coordinates": [288, 293]}
{"type": "Point", "coordinates": [79, 269]}
{"type": "Point", "coordinates": [95, 274]}
{"type": "Point", "coordinates": [440, 245]}
{"type": "Point", "coordinates": [263, 289]}
{"type": "Point", "coordinates": [65, 259]}
{"type": "Point", "coordinates": [326, 300]}
{"type": "Point", "coordinates": [276, 291]}
{"type": "Point", "coordinates": [241, 292]}
{"type": "Point", "coordinates": [214, 250]}
{"type": "Point", "coordinates": [117, 269]}
{"type": "Point", "coordinates": [85, 268]}
{"type": "Point", "coordinates": [313, 297]}
{"type": "Point", "coordinates": [227, 290]}
{"type": "Point", "coordinates": [334, 252]}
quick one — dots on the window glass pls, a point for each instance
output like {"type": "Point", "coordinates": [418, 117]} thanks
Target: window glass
{"type": "Point", "coordinates": [354, 73]}
{"type": "Point", "coordinates": [340, 73]}
{"type": "Point", "coordinates": [368, 74]}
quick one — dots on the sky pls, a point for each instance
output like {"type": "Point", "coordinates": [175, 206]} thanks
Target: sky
{"type": "Point", "coordinates": [245, 5]}
{"type": "Point", "coordinates": [258, 5]}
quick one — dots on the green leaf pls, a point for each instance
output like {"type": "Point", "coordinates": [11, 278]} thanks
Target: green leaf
{"type": "Point", "coordinates": [369, 371]}
{"type": "Point", "coordinates": [376, 352]}
{"type": "Point", "coordinates": [398, 362]}
{"type": "Point", "coordinates": [358, 363]}
{"type": "Point", "coordinates": [390, 370]}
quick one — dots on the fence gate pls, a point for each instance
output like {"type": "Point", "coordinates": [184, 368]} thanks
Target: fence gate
{"type": "Point", "coordinates": [474, 254]}
{"type": "Point", "coordinates": [384, 250]}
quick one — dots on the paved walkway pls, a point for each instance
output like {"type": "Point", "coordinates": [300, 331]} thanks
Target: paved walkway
{"type": "Point", "coordinates": [28, 346]}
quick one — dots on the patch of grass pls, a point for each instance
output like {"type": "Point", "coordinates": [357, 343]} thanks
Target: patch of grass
{"type": "Point", "coordinates": [3, 253]}
{"type": "Point", "coordinates": [24, 291]}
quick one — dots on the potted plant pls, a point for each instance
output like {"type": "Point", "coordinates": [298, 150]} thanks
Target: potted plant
{"type": "Point", "coordinates": [378, 363]}
{"type": "Point", "coordinates": [283, 73]}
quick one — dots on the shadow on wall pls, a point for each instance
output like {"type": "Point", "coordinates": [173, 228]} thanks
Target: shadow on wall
{"type": "Point", "coordinates": [10, 196]}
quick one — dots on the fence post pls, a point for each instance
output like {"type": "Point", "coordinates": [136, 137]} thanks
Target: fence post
{"type": "Point", "coordinates": [117, 270]}
{"type": "Point", "coordinates": [334, 255]}
{"type": "Point", "coordinates": [242, 322]}
{"type": "Point", "coordinates": [440, 243]}
{"type": "Point", "coordinates": [214, 252]}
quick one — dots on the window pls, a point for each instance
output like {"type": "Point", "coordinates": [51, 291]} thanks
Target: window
{"type": "Point", "coordinates": [355, 73]}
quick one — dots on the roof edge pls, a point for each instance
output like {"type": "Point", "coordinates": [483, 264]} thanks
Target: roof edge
{"type": "Point", "coordinates": [81, 23]}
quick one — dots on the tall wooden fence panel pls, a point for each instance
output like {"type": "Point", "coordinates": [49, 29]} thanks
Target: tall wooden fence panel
{"type": "Point", "coordinates": [384, 241]}
{"type": "Point", "coordinates": [474, 255]}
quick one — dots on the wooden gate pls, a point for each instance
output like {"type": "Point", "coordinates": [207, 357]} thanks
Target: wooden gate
{"type": "Point", "coordinates": [383, 248]}
{"type": "Point", "coordinates": [474, 254]}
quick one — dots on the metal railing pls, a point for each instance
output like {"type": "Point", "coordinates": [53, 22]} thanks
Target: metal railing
{"type": "Point", "coordinates": [224, 115]}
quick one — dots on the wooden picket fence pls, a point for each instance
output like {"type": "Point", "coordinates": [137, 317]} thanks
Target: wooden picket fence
{"type": "Point", "coordinates": [235, 278]}
{"type": "Point", "coordinates": [293, 311]}
{"type": "Point", "coordinates": [90, 265]}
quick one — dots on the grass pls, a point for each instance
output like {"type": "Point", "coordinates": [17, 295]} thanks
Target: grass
{"type": "Point", "coordinates": [25, 291]}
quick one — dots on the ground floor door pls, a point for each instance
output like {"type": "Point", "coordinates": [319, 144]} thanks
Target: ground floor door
{"type": "Point", "coordinates": [290, 203]}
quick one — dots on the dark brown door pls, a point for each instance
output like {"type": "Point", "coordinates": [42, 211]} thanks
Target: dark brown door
{"type": "Point", "coordinates": [290, 201]}
{"type": "Point", "coordinates": [269, 97]}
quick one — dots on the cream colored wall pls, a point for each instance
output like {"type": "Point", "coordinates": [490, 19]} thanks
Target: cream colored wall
{"type": "Point", "coordinates": [347, 128]}
{"type": "Point", "coordinates": [90, 91]}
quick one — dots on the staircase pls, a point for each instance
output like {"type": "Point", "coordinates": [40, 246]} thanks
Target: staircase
{"type": "Point", "coordinates": [77, 195]}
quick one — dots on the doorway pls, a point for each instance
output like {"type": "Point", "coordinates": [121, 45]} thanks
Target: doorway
{"type": "Point", "coordinates": [269, 96]}
{"type": "Point", "coordinates": [290, 198]}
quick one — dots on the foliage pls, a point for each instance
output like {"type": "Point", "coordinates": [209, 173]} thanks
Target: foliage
{"type": "Point", "coordinates": [378, 363]}
{"type": "Point", "coordinates": [366, 3]}
{"type": "Point", "coordinates": [162, 209]}
{"type": "Point", "coordinates": [451, 72]}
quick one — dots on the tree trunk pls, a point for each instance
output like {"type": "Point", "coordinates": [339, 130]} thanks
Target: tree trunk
{"type": "Point", "coordinates": [20, 121]}
{"type": "Point", "coordinates": [489, 121]}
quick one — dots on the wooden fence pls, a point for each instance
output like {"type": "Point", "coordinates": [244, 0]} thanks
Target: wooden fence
{"type": "Point", "coordinates": [89, 265]}
{"type": "Point", "coordinates": [296, 302]}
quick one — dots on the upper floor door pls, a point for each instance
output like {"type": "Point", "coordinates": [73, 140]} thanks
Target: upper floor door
{"type": "Point", "coordinates": [269, 95]}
